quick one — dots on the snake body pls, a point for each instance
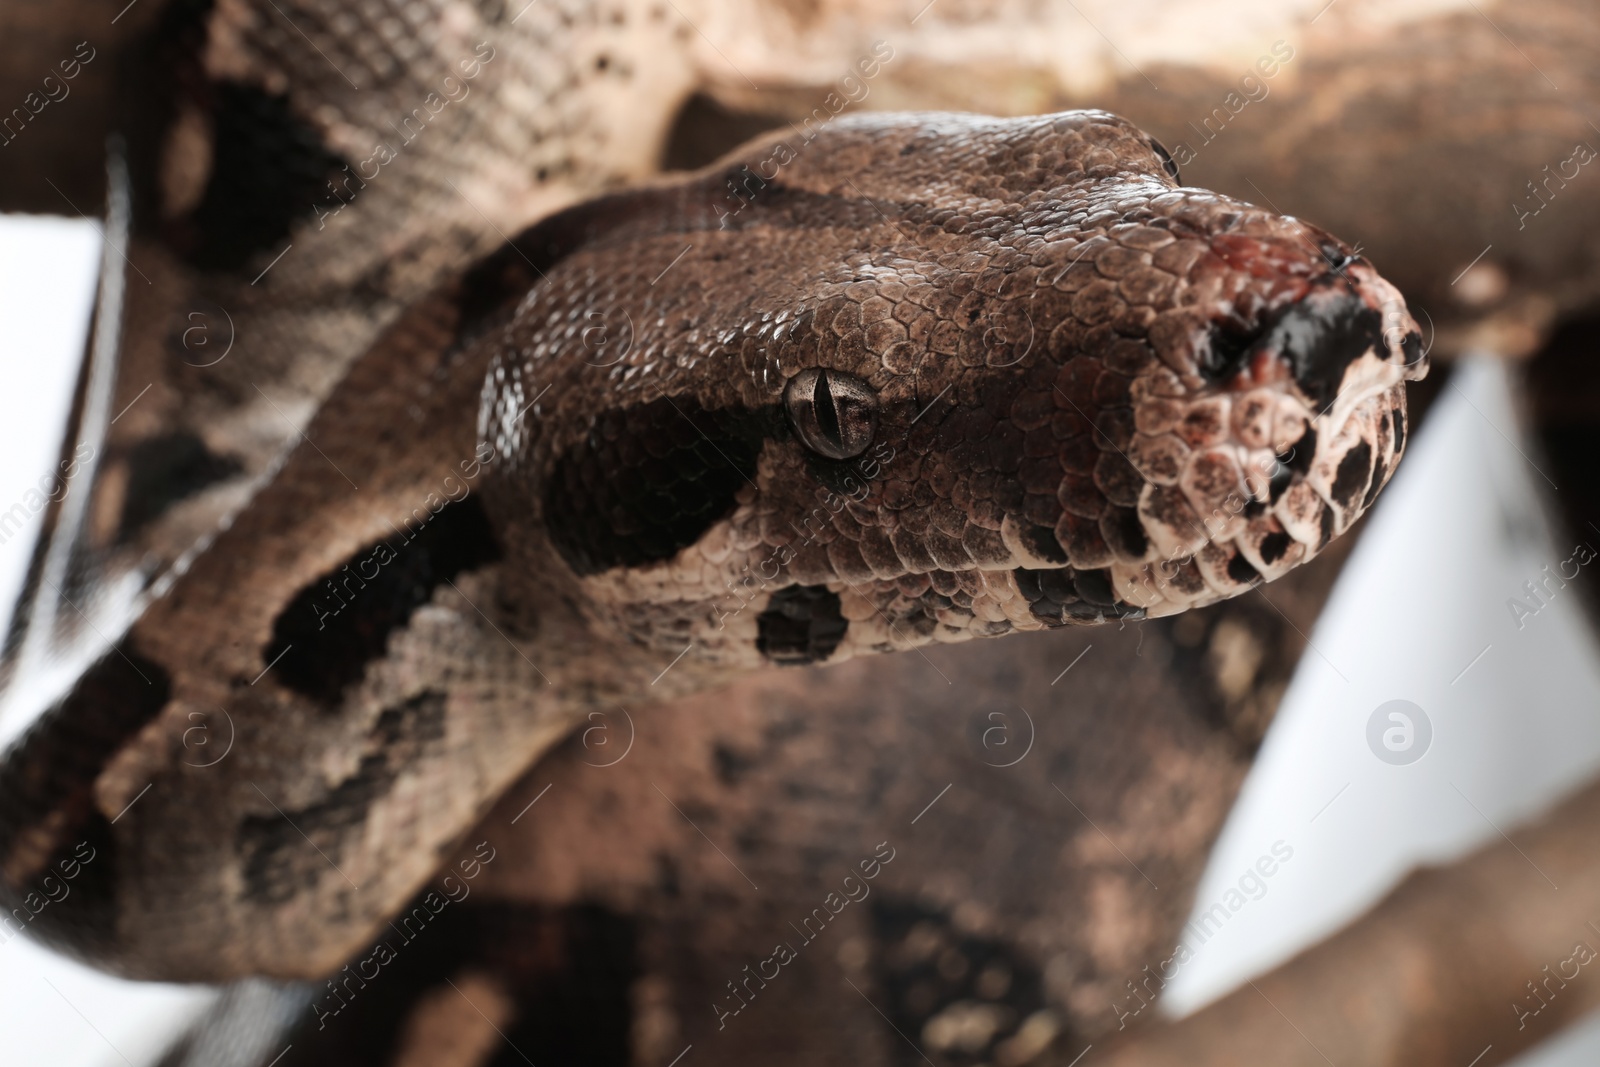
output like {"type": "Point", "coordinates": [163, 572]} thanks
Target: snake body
{"type": "Point", "coordinates": [942, 376]}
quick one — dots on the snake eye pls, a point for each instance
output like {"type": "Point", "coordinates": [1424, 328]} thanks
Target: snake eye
{"type": "Point", "coordinates": [1166, 159]}
{"type": "Point", "coordinates": [833, 414]}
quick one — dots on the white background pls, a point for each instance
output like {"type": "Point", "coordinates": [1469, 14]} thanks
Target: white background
{"type": "Point", "coordinates": [1453, 537]}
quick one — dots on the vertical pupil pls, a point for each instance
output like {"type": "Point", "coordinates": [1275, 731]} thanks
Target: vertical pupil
{"type": "Point", "coordinates": [827, 411]}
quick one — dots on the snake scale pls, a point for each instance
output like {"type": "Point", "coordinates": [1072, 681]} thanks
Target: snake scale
{"type": "Point", "coordinates": [1065, 366]}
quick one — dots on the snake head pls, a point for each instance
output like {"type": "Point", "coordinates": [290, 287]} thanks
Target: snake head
{"type": "Point", "coordinates": [913, 378]}
{"type": "Point", "coordinates": [1275, 411]}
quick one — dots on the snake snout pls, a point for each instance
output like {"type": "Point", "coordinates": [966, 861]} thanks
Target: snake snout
{"type": "Point", "coordinates": [1297, 423]}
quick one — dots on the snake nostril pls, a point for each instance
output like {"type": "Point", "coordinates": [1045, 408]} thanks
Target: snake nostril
{"type": "Point", "coordinates": [1338, 259]}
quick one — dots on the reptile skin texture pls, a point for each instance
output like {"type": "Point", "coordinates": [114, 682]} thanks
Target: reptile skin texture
{"type": "Point", "coordinates": [571, 479]}
{"type": "Point", "coordinates": [1100, 395]}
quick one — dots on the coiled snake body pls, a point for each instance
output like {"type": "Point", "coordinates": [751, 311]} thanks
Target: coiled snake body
{"type": "Point", "coordinates": [939, 376]}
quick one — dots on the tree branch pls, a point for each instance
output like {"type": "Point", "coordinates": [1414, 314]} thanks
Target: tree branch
{"type": "Point", "coordinates": [1486, 953]}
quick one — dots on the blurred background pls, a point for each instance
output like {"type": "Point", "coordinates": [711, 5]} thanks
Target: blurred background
{"type": "Point", "coordinates": [1417, 129]}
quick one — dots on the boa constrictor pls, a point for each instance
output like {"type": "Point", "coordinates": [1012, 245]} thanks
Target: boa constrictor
{"type": "Point", "coordinates": [938, 376]}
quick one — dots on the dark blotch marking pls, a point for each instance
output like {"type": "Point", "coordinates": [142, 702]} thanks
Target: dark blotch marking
{"type": "Point", "coordinates": [1378, 474]}
{"type": "Point", "coordinates": [278, 863]}
{"type": "Point", "coordinates": [1060, 596]}
{"type": "Point", "coordinates": [268, 169]}
{"type": "Point", "coordinates": [1095, 587]}
{"type": "Point", "coordinates": [1411, 348]}
{"type": "Point", "coordinates": [918, 985]}
{"type": "Point", "coordinates": [336, 632]}
{"type": "Point", "coordinates": [1044, 543]}
{"type": "Point", "coordinates": [1194, 642]}
{"type": "Point", "coordinates": [1122, 529]}
{"type": "Point", "coordinates": [649, 481]}
{"type": "Point", "coordinates": [1297, 460]}
{"type": "Point", "coordinates": [800, 625]}
{"type": "Point", "coordinates": [1242, 570]}
{"type": "Point", "coordinates": [1048, 592]}
{"type": "Point", "coordinates": [47, 803]}
{"type": "Point", "coordinates": [569, 974]}
{"type": "Point", "coordinates": [1320, 336]}
{"type": "Point", "coordinates": [1326, 527]}
{"type": "Point", "coordinates": [1229, 345]}
{"type": "Point", "coordinates": [1399, 430]}
{"type": "Point", "coordinates": [164, 470]}
{"type": "Point", "coordinates": [1278, 484]}
{"type": "Point", "coordinates": [1351, 477]}
{"type": "Point", "coordinates": [1301, 453]}
{"type": "Point", "coordinates": [731, 765]}
{"type": "Point", "coordinates": [1273, 546]}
